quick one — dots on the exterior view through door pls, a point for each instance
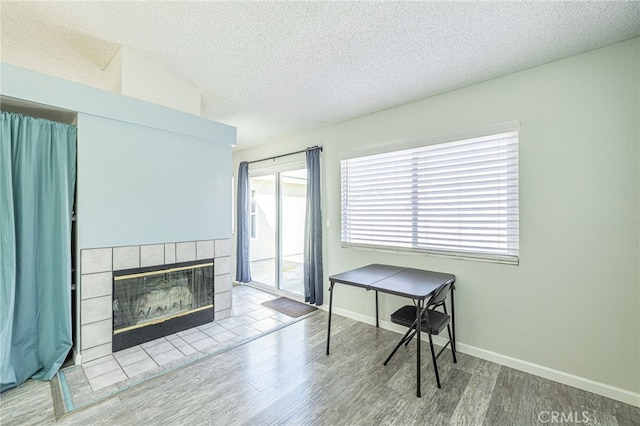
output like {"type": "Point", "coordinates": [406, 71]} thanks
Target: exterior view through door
{"type": "Point", "coordinates": [276, 227]}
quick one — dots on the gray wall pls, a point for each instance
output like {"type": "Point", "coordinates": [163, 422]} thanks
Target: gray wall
{"type": "Point", "coordinates": [571, 309]}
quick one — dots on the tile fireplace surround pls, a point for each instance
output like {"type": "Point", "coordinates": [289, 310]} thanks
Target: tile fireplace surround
{"type": "Point", "coordinates": [96, 286]}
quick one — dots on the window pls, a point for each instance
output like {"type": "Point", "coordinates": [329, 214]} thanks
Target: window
{"type": "Point", "coordinates": [253, 212]}
{"type": "Point", "coordinates": [457, 198]}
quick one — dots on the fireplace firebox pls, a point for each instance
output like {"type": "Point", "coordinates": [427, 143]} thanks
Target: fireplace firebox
{"type": "Point", "coordinates": [149, 303]}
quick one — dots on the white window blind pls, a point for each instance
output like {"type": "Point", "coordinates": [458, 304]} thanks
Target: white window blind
{"type": "Point", "coordinates": [456, 198]}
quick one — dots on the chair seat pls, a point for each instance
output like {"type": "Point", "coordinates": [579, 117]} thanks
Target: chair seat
{"type": "Point", "coordinates": [407, 314]}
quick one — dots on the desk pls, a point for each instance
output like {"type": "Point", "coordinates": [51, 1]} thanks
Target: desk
{"type": "Point", "coordinates": [416, 284]}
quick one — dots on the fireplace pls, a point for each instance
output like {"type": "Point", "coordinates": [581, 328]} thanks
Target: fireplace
{"type": "Point", "coordinates": [152, 302]}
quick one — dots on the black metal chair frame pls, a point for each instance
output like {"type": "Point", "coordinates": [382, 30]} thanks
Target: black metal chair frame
{"type": "Point", "coordinates": [437, 300]}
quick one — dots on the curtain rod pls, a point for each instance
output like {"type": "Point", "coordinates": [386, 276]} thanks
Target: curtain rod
{"type": "Point", "coordinates": [284, 155]}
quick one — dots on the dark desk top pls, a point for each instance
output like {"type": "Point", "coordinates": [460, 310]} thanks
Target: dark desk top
{"type": "Point", "coordinates": [406, 282]}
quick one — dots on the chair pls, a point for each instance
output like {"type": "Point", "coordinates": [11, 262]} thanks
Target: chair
{"type": "Point", "coordinates": [433, 322]}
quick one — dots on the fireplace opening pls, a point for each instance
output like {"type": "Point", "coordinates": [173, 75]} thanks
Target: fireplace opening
{"type": "Point", "coordinates": [149, 303]}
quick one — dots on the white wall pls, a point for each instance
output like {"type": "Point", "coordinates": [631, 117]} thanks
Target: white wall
{"type": "Point", "coordinates": [131, 74]}
{"type": "Point", "coordinates": [572, 306]}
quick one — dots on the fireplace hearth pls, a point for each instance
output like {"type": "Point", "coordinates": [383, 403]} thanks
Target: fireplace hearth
{"type": "Point", "coordinates": [152, 302]}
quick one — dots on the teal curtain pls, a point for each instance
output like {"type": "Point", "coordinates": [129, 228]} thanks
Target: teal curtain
{"type": "Point", "coordinates": [37, 178]}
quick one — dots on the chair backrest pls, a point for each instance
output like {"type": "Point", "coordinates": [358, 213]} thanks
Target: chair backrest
{"type": "Point", "coordinates": [440, 295]}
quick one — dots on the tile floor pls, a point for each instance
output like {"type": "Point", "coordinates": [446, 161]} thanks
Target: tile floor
{"type": "Point", "coordinates": [121, 369]}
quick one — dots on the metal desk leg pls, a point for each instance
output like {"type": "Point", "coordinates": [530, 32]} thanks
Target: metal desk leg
{"type": "Point", "coordinates": [419, 335]}
{"type": "Point", "coordinates": [330, 305]}
{"type": "Point", "coordinates": [453, 319]}
{"type": "Point", "coordinates": [377, 325]}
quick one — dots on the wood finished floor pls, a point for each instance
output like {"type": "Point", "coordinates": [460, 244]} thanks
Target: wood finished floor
{"type": "Point", "coordinates": [286, 378]}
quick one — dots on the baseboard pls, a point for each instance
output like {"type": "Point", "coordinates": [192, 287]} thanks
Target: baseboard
{"type": "Point", "coordinates": [622, 395]}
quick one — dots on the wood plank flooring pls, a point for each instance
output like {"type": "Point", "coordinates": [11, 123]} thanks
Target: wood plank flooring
{"type": "Point", "coordinates": [286, 378]}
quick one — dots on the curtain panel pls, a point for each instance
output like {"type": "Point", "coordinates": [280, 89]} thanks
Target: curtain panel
{"type": "Point", "coordinates": [37, 179]}
{"type": "Point", "coordinates": [313, 289]}
{"type": "Point", "coordinates": [243, 272]}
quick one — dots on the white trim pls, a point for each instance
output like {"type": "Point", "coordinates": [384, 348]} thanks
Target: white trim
{"type": "Point", "coordinates": [479, 257]}
{"type": "Point", "coordinates": [507, 126]}
{"type": "Point", "coordinates": [276, 166]}
{"type": "Point", "coordinates": [622, 395]}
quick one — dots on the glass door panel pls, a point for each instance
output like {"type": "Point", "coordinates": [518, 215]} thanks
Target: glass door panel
{"type": "Point", "coordinates": [263, 227]}
{"type": "Point", "coordinates": [293, 195]}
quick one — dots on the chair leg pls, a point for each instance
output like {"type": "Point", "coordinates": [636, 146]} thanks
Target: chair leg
{"type": "Point", "coordinates": [408, 338]}
{"type": "Point", "coordinates": [453, 345]}
{"type": "Point", "coordinates": [400, 343]}
{"type": "Point", "coordinates": [451, 341]}
{"type": "Point", "coordinates": [433, 357]}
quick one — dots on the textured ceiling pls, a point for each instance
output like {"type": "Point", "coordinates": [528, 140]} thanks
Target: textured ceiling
{"type": "Point", "coordinates": [277, 68]}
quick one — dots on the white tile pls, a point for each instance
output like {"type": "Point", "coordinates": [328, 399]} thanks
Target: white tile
{"type": "Point", "coordinates": [158, 349]}
{"type": "Point", "coordinates": [222, 301]}
{"type": "Point", "coordinates": [96, 309]}
{"type": "Point", "coordinates": [191, 338]}
{"type": "Point", "coordinates": [139, 367]}
{"type": "Point", "coordinates": [243, 330]}
{"type": "Point", "coordinates": [281, 317]}
{"type": "Point", "coordinates": [236, 321]}
{"type": "Point", "coordinates": [222, 283]}
{"type": "Point", "coordinates": [186, 332]}
{"type": "Point", "coordinates": [98, 361]}
{"type": "Point", "coordinates": [128, 350]}
{"type": "Point", "coordinates": [95, 352]}
{"type": "Point", "coordinates": [96, 333]}
{"type": "Point", "coordinates": [204, 343]}
{"type": "Point", "coordinates": [222, 314]}
{"type": "Point", "coordinates": [248, 335]}
{"type": "Point", "coordinates": [95, 260]}
{"type": "Point", "coordinates": [178, 342]}
{"type": "Point", "coordinates": [152, 255]}
{"type": "Point", "coordinates": [128, 357]}
{"type": "Point", "coordinates": [108, 379]}
{"type": "Point", "coordinates": [259, 314]}
{"type": "Point", "coordinates": [155, 342]}
{"type": "Point", "coordinates": [169, 253]}
{"type": "Point", "coordinates": [239, 309]}
{"type": "Point", "coordinates": [126, 257]}
{"type": "Point", "coordinates": [225, 337]}
{"type": "Point", "coordinates": [266, 324]}
{"type": "Point", "coordinates": [223, 247]}
{"type": "Point", "coordinates": [211, 330]}
{"type": "Point", "coordinates": [204, 249]}
{"type": "Point", "coordinates": [169, 356]}
{"type": "Point", "coordinates": [95, 285]}
{"type": "Point", "coordinates": [222, 265]}
{"type": "Point", "coordinates": [100, 366]}
{"type": "Point", "coordinates": [187, 350]}
{"type": "Point", "coordinates": [172, 337]}
{"type": "Point", "coordinates": [186, 252]}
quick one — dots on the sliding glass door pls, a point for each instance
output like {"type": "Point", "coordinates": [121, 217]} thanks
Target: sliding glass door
{"type": "Point", "coordinates": [277, 211]}
{"type": "Point", "coordinates": [293, 195]}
